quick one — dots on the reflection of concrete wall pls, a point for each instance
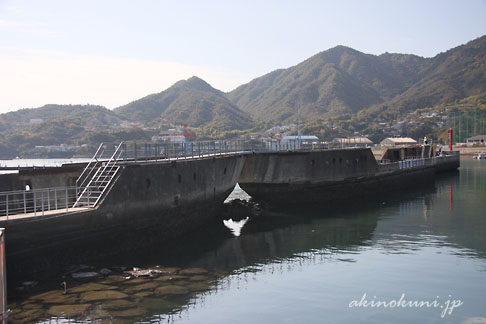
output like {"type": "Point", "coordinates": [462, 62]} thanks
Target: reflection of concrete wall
{"type": "Point", "coordinates": [287, 242]}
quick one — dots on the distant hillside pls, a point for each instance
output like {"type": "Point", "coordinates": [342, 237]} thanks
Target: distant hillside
{"type": "Point", "coordinates": [450, 76]}
{"type": "Point", "coordinates": [21, 131]}
{"type": "Point", "coordinates": [342, 80]}
{"type": "Point", "coordinates": [82, 113]}
{"type": "Point", "coordinates": [193, 102]}
{"type": "Point", "coordinates": [342, 92]}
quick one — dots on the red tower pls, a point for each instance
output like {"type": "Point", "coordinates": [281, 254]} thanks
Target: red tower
{"type": "Point", "coordinates": [450, 139]}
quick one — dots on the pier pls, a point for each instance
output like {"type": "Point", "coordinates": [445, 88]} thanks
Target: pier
{"type": "Point", "coordinates": [179, 187]}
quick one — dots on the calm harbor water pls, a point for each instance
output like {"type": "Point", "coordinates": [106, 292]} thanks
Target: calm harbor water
{"type": "Point", "coordinates": [336, 264]}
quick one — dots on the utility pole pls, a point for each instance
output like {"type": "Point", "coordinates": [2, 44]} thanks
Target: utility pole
{"type": "Point", "coordinates": [299, 134]}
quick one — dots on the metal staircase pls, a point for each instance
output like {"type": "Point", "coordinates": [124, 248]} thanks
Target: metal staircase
{"type": "Point", "coordinates": [96, 177]}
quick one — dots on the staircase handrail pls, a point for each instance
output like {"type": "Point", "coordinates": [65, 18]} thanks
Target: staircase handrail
{"type": "Point", "coordinates": [110, 160]}
{"type": "Point", "coordinates": [100, 173]}
{"type": "Point", "coordinates": [103, 175]}
{"type": "Point", "coordinates": [87, 167]}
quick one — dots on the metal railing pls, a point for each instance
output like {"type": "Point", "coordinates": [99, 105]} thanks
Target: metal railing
{"type": "Point", "coordinates": [36, 201]}
{"type": "Point", "coordinates": [4, 312]}
{"type": "Point", "coordinates": [181, 151]}
{"type": "Point", "coordinates": [411, 163]}
{"type": "Point", "coordinates": [104, 172]}
{"type": "Point", "coordinates": [86, 175]}
{"type": "Point", "coordinates": [189, 150]}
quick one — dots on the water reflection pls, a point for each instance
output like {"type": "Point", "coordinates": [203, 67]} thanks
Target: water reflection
{"type": "Point", "coordinates": [301, 265]}
{"type": "Point", "coordinates": [235, 226]}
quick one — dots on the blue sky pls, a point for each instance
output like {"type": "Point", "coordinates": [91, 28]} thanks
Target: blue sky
{"type": "Point", "coordinates": [113, 52]}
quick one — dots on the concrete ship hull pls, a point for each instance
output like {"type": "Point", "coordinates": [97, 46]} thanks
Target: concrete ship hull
{"type": "Point", "coordinates": [278, 180]}
{"type": "Point", "coordinates": [169, 198]}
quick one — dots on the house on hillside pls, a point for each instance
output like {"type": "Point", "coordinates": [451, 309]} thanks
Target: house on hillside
{"type": "Point", "coordinates": [352, 142]}
{"type": "Point", "coordinates": [169, 136]}
{"type": "Point", "coordinates": [393, 141]}
{"type": "Point", "coordinates": [478, 140]}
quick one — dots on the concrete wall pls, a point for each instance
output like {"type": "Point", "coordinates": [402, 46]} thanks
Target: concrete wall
{"type": "Point", "coordinates": [395, 154]}
{"type": "Point", "coordinates": [41, 178]}
{"type": "Point", "coordinates": [175, 184]}
{"type": "Point", "coordinates": [164, 198]}
{"type": "Point", "coordinates": [50, 177]}
{"type": "Point", "coordinates": [10, 182]}
{"type": "Point", "coordinates": [308, 167]}
{"type": "Point", "coordinates": [283, 179]}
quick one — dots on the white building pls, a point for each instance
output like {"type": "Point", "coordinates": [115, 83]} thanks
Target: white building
{"type": "Point", "coordinates": [353, 142]}
{"type": "Point", "coordinates": [169, 136]}
{"type": "Point", "coordinates": [479, 139]}
{"type": "Point", "coordinates": [392, 141]}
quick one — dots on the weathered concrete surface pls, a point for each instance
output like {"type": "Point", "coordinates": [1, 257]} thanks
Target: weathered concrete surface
{"type": "Point", "coordinates": [307, 168]}
{"type": "Point", "coordinates": [38, 178]}
{"type": "Point", "coordinates": [168, 197]}
{"type": "Point", "coordinates": [395, 154]}
{"type": "Point", "coordinates": [284, 179]}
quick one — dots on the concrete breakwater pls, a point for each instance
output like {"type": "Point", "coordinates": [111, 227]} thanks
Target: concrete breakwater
{"type": "Point", "coordinates": [173, 197]}
{"type": "Point", "coordinates": [290, 178]}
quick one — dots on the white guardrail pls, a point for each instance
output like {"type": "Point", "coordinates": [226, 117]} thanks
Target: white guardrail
{"type": "Point", "coordinates": [36, 201]}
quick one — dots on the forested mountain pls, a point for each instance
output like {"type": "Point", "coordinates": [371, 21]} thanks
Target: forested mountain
{"type": "Point", "coordinates": [22, 130]}
{"type": "Point", "coordinates": [193, 102]}
{"type": "Point", "coordinates": [456, 74]}
{"type": "Point", "coordinates": [342, 80]}
{"type": "Point", "coordinates": [340, 91]}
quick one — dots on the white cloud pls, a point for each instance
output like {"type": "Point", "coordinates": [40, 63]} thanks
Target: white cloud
{"type": "Point", "coordinates": [32, 78]}
{"type": "Point", "coordinates": [34, 28]}
{"type": "Point", "coordinates": [9, 23]}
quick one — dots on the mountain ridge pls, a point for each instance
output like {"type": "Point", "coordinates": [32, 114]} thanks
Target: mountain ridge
{"type": "Point", "coordinates": [193, 102]}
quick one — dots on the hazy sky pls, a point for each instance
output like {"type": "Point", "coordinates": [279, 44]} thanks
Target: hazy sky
{"type": "Point", "coordinates": [113, 52]}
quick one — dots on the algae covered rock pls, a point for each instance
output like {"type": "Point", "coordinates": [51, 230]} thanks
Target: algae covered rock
{"type": "Point", "coordinates": [199, 278]}
{"type": "Point", "coordinates": [135, 281]}
{"type": "Point", "coordinates": [171, 290]}
{"type": "Point", "coordinates": [68, 310]}
{"type": "Point", "coordinates": [32, 306]}
{"type": "Point", "coordinates": [198, 286]}
{"type": "Point", "coordinates": [143, 294]}
{"type": "Point", "coordinates": [113, 279]}
{"type": "Point", "coordinates": [102, 295]}
{"type": "Point", "coordinates": [171, 278]}
{"type": "Point", "coordinates": [130, 312]}
{"type": "Point", "coordinates": [167, 270]}
{"type": "Point", "coordinates": [160, 305]}
{"type": "Point", "coordinates": [26, 315]}
{"type": "Point", "coordinates": [55, 297]}
{"type": "Point", "coordinates": [90, 287]}
{"type": "Point", "coordinates": [117, 304]}
{"type": "Point", "coordinates": [144, 286]}
{"type": "Point", "coordinates": [193, 271]}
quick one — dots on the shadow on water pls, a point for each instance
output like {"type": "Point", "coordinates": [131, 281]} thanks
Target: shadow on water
{"type": "Point", "coordinates": [273, 235]}
{"type": "Point", "coordinates": [338, 220]}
